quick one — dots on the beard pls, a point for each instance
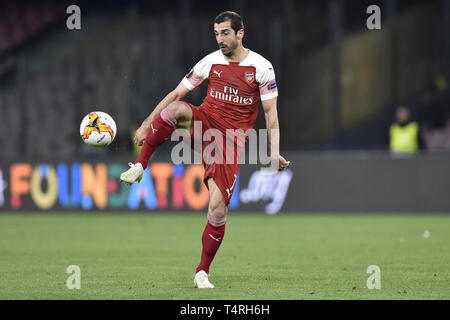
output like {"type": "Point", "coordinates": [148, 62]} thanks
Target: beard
{"type": "Point", "coordinates": [229, 49]}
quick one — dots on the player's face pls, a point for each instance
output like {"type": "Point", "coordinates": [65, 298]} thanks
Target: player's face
{"type": "Point", "coordinates": [226, 38]}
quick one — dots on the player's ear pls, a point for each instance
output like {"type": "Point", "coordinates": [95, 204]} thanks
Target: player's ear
{"type": "Point", "coordinates": [240, 34]}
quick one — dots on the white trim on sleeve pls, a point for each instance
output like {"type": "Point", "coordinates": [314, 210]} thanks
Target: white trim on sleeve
{"type": "Point", "coordinates": [187, 84]}
{"type": "Point", "coordinates": [269, 96]}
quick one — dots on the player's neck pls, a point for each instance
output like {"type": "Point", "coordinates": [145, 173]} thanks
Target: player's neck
{"type": "Point", "coordinates": [238, 55]}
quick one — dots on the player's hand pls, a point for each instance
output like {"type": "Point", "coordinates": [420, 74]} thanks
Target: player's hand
{"type": "Point", "coordinates": [283, 163]}
{"type": "Point", "coordinates": [140, 135]}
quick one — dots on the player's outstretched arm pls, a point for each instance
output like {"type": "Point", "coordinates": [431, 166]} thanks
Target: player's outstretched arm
{"type": "Point", "coordinates": [273, 131]}
{"type": "Point", "coordinates": [179, 93]}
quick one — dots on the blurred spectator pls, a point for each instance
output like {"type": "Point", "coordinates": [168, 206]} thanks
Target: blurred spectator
{"type": "Point", "coordinates": [435, 115]}
{"type": "Point", "coordinates": [440, 83]}
{"type": "Point", "coordinates": [404, 133]}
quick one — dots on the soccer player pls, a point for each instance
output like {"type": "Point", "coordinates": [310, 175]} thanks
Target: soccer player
{"type": "Point", "coordinates": [237, 79]}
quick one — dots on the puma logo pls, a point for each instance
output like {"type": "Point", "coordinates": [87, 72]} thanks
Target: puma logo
{"type": "Point", "coordinates": [218, 73]}
{"type": "Point", "coordinates": [232, 186]}
{"type": "Point", "coordinates": [153, 129]}
{"type": "Point", "coordinates": [217, 239]}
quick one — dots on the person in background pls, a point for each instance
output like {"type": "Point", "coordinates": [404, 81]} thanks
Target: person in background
{"type": "Point", "coordinates": [404, 133]}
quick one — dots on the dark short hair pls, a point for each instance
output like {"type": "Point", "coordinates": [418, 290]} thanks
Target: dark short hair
{"type": "Point", "coordinates": [234, 18]}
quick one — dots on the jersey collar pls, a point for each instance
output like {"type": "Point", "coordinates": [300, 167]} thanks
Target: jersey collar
{"type": "Point", "coordinates": [239, 63]}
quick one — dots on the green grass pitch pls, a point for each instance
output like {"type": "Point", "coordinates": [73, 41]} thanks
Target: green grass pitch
{"type": "Point", "coordinates": [287, 256]}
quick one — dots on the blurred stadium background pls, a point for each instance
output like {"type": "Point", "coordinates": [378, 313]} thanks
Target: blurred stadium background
{"type": "Point", "coordinates": [340, 85]}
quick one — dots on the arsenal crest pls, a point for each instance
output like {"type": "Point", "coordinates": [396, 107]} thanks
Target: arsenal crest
{"type": "Point", "coordinates": [249, 77]}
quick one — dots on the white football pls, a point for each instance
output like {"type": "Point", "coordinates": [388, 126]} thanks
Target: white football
{"type": "Point", "coordinates": [98, 129]}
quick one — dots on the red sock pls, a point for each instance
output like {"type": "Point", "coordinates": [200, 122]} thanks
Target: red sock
{"type": "Point", "coordinates": [161, 128]}
{"type": "Point", "coordinates": [211, 240]}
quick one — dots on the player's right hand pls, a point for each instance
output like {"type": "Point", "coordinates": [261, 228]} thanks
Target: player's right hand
{"type": "Point", "coordinates": [283, 163]}
{"type": "Point", "coordinates": [140, 135]}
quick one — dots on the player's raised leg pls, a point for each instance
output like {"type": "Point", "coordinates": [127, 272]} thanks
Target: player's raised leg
{"type": "Point", "coordinates": [176, 115]}
{"type": "Point", "coordinates": [212, 235]}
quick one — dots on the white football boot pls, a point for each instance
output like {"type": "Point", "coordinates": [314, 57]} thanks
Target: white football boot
{"type": "Point", "coordinates": [134, 174]}
{"type": "Point", "coordinates": [201, 280]}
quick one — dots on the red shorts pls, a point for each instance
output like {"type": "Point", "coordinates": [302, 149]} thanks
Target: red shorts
{"type": "Point", "coordinates": [223, 172]}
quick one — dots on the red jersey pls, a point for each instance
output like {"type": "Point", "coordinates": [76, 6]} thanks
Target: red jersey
{"type": "Point", "coordinates": [234, 88]}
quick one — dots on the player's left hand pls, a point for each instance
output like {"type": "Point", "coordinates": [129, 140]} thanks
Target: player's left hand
{"type": "Point", "coordinates": [283, 163]}
{"type": "Point", "coordinates": [140, 135]}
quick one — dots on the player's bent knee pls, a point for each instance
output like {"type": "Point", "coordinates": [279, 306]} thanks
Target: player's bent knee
{"type": "Point", "coordinates": [180, 110]}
